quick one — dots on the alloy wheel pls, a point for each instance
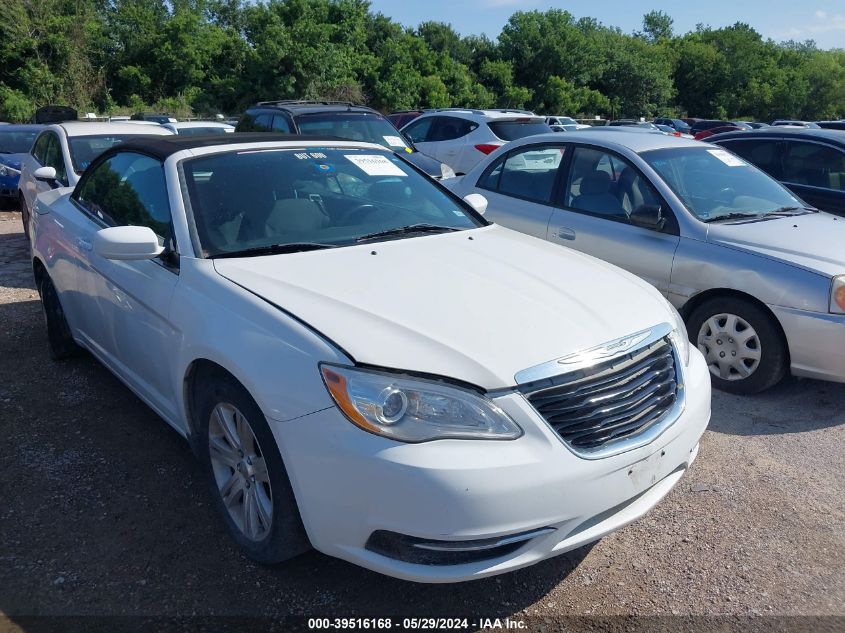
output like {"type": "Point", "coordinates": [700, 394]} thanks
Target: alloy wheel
{"type": "Point", "coordinates": [730, 346]}
{"type": "Point", "coordinates": [240, 471]}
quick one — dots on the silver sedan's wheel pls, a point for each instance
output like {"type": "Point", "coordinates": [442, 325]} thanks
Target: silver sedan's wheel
{"type": "Point", "coordinates": [731, 346]}
{"type": "Point", "coordinates": [240, 471]}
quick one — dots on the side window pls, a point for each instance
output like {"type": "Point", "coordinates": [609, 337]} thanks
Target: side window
{"type": "Point", "coordinates": [606, 185]}
{"type": "Point", "coordinates": [39, 148]}
{"type": "Point", "coordinates": [449, 128]}
{"type": "Point", "coordinates": [814, 165]}
{"type": "Point", "coordinates": [128, 189]}
{"type": "Point", "coordinates": [246, 124]}
{"type": "Point", "coordinates": [280, 124]}
{"type": "Point", "coordinates": [764, 154]}
{"type": "Point", "coordinates": [262, 123]}
{"type": "Point", "coordinates": [530, 173]}
{"type": "Point", "coordinates": [418, 130]}
{"type": "Point", "coordinates": [53, 158]}
{"type": "Point", "coordinates": [490, 178]}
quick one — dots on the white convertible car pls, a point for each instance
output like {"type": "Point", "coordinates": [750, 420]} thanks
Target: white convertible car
{"type": "Point", "coordinates": [362, 363]}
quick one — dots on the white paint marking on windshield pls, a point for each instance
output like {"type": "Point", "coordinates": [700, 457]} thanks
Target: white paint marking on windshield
{"type": "Point", "coordinates": [726, 157]}
{"type": "Point", "coordinates": [375, 165]}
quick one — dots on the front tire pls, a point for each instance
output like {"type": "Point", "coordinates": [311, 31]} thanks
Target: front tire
{"type": "Point", "coordinates": [60, 342]}
{"type": "Point", "coordinates": [741, 342]}
{"type": "Point", "coordinates": [247, 477]}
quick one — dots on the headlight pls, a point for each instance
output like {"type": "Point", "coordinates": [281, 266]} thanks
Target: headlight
{"type": "Point", "coordinates": [413, 410]}
{"type": "Point", "coordinates": [679, 334]}
{"type": "Point", "coordinates": [446, 171]}
{"type": "Point", "coordinates": [837, 295]}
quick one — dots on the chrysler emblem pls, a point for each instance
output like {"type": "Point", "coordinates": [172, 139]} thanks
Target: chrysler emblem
{"type": "Point", "coordinates": [613, 348]}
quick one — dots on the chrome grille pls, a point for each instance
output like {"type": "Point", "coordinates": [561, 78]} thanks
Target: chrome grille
{"type": "Point", "coordinates": [611, 400]}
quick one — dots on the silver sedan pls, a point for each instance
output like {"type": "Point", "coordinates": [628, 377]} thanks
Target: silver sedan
{"type": "Point", "coordinates": [757, 274]}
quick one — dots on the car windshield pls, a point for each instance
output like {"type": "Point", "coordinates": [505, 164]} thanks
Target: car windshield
{"type": "Point", "coordinates": [355, 126]}
{"type": "Point", "coordinates": [84, 149]}
{"type": "Point", "coordinates": [282, 200]}
{"type": "Point", "coordinates": [512, 130]}
{"type": "Point", "coordinates": [715, 184]}
{"type": "Point", "coordinates": [191, 131]}
{"type": "Point", "coordinates": [16, 142]}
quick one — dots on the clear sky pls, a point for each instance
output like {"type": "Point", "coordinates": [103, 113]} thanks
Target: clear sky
{"type": "Point", "coordinates": [820, 20]}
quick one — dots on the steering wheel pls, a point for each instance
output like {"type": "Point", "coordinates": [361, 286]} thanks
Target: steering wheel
{"type": "Point", "coordinates": [358, 212]}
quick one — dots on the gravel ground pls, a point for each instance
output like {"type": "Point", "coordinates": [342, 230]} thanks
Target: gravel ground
{"type": "Point", "coordinates": [104, 513]}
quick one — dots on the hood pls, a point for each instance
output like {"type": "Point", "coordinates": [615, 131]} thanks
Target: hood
{"type": "Point", "coordinates": [477, 310]}
{"type": "Point", "coordinates": [11, 160]}
{"type": "Point", "coordinates": [815, 241]}
{"type": "Point", "coordinates": [428, 164]}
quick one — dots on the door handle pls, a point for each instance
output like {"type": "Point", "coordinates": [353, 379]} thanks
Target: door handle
{"type": "Point", "coordinates": [565, 233]}
{"type": "Point", "coordinates": [84, 244]}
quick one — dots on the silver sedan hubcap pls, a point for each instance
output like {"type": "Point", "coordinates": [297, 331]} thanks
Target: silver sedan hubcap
{"type": "Point", "coordinates": [240, 471]}
{"type": "Point", "coordinates": [730, 346]}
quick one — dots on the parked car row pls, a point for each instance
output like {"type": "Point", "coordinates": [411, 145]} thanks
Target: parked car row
{"type": "Point", "coordinates": [363, 363]}
{"type": "Point", "coordinates": [351, 346]}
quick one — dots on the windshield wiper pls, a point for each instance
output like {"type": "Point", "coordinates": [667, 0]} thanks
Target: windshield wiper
{"type": "Point", "coordinates": [406, 230]}
{"type": "Point", "coordinates": [275, 249]}
{"type": "Point", "coordinates": [781, 212]}
{"type": "Point", "coordinates": [732, 216]}
{"type": "Point", "coordinates": [786, 211]}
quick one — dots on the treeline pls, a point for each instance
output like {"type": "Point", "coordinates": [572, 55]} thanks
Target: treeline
{"type": "Point", "coordinates": [210, 56]}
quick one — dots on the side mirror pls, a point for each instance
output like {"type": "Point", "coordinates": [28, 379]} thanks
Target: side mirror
{"type": "Point", "coordinates": [648, 216]}
{"type": "Point", "coordinates": [477, 202]}
{"type": "Point", "coordinates": [45, 173]}
{"type": "Point", "coordinates": [127, 243]}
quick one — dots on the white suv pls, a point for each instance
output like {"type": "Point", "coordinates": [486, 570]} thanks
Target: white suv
{"type": "Point", "coordinates": [461, 138]}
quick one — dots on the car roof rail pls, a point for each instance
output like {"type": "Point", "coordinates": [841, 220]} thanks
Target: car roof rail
{"type": "Point", "coordinates": [482, 112]}
{"type": "Point", "coordinates": [309, 102]}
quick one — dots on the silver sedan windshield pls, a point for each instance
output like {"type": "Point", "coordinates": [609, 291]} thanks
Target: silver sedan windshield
{"type": "Point", "coordinates": [715, 184]}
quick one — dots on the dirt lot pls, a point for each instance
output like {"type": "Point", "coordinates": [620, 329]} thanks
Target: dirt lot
{"type": "Point", "coordinates": [104, 512]}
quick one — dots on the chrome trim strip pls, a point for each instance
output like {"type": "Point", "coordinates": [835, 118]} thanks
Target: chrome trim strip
{"type": "Point", "coordinates": [482, 545]}
{"type": "Point", "coordinates": [588, 357]}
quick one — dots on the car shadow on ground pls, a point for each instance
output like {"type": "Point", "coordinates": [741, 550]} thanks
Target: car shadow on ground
{"type": "Point", "coordinates": [794, 405]}
{"type": "Point", "coordinates": [15, 266]}
{"type": "Point", "coordinates": [110, 515]}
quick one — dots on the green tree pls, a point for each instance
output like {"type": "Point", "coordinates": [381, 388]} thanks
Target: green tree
{"type": "Point", "coordinates": [657, 26]}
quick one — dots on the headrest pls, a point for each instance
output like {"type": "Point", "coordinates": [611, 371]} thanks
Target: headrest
{"type": "Point", "coordinates": [295, 215]}
{"type": "Point", "coordinates": [597, 182]}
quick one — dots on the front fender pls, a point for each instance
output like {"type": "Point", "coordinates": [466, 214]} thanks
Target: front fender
{"type": "Point", "coordinates": [272, 354]}
{"type": "Point", "coordinates": [700, 266]}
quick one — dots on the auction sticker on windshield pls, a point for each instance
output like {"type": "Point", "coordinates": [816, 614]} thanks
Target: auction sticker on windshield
{"type": "Point", "coordinates": [394, 141]}
{"type": "Point", "coordinates": [726, 157]}
{"type": "Point", "coordinates": [375, 165]}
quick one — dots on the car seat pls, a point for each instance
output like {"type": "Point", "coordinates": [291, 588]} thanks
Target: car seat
{"type": "Point", "coordinates": [595, 195]}
{"type": "Point", "coordinates": [294, 215]}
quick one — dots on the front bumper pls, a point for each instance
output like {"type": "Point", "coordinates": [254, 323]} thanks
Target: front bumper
{"type": "Point", "coordinates": [349, 484]}
{"type": "Point", "coordinates": [816, 342]}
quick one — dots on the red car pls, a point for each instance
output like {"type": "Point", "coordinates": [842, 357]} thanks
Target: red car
{"type": "Point", "coordinates": [716, 130]}
{"type": "Point", "coordinates": [401, 118]}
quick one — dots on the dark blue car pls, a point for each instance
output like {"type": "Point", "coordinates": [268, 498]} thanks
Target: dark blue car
{"type": "Point", "coordinates": [15, 140]}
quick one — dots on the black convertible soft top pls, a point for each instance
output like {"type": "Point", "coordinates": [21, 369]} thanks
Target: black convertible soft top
{"type": "Point", "coordinates": [163, 146]}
